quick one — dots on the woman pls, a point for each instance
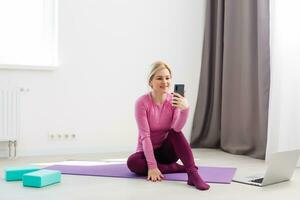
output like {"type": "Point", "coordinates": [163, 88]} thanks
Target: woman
{"type": "Point", "coordinates": [160, 117]}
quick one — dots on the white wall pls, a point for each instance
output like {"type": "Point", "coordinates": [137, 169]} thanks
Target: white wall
{"type": "Point", "coordinates": [284, 112]}
{"type": "Point", "coordinates": [105, 48]}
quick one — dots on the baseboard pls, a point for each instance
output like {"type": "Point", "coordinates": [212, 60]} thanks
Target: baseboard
{"type": "Point", "coordinates": [69, 151]}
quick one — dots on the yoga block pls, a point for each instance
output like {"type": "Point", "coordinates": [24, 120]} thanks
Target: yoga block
{"type": "Point", "coordinates": [16, 173]}
{"type": "Point", "coordinates": [41, 178]}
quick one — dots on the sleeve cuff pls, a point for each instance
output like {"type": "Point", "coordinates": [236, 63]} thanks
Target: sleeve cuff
{"type": "Point", "coordinates": [185, 110]}
{"type": "Point", "coordinates": [152, 166]}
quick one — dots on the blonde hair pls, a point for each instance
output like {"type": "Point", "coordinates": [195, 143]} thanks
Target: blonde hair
{"type": "Point", "coordinates": [155, 67]}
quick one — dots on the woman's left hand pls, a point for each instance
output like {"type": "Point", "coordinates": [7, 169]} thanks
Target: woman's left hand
{"type": "Point", "coordinates": [179, 101]}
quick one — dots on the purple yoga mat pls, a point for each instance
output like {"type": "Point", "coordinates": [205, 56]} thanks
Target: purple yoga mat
{"type": "Point", "coordinates": [208, 174]}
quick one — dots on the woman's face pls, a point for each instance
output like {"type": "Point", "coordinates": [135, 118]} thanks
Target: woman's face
{"type": "Point", "coordinates": [161, 81]}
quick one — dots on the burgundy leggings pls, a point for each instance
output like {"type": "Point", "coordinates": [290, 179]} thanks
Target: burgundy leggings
{"type": "Point", "coordinates": [173, 148]}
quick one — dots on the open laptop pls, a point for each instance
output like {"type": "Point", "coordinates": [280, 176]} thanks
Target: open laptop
{"type": "Point", "coordinates": [280, 168]}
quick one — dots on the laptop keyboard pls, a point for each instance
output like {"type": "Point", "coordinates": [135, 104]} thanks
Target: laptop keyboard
{"type": "Point", "coordinates": [259, 180]}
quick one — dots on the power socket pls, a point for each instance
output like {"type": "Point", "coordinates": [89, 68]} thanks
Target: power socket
{"type": "Point", "coordinates": [62, 135]}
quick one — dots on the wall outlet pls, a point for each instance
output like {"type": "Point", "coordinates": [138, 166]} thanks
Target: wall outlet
{"type": "Point", "coordinates": [62, 135]}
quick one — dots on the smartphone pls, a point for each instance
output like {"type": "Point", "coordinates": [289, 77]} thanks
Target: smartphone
{"type": "Point", "coordinates": [179, 88]}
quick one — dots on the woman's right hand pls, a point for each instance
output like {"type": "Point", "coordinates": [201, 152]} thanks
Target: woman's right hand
{"type": "Point", "coordinates": [154, 175]}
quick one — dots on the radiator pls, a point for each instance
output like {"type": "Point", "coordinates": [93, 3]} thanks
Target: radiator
{"type": "Point", "coordinates": [10, 118]}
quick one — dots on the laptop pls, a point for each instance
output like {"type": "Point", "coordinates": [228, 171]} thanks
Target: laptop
{"type": "Point", "coordinates": [280, 168]}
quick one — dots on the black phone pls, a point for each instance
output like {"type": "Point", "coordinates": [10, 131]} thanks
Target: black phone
{"type": "Point", "coordinates": [179, 88]}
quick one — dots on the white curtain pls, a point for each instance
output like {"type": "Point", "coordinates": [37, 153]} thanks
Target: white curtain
{"type": "Point", "coordinates": [284, 108]}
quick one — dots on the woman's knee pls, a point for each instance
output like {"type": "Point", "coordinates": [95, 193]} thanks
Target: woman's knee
{"type": "Point", "coordinates": [137, 164]}
{"type": "Point", "coordinates": [131, 162]}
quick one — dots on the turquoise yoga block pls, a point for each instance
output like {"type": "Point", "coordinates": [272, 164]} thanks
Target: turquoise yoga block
{"type": "Point", "coordinates": [16, 173]}
{"type": "Point", "coordinates": [41, 178]}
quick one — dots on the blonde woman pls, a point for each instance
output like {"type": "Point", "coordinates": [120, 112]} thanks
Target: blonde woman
{"type": "Point", "coordinates": [160, 116]}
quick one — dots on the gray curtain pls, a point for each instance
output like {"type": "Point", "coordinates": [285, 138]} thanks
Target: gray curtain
{"type": "Point", "coordinates": [232, 106]}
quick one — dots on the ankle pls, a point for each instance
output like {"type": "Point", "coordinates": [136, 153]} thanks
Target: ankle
{"type": "Point", "coordinates": [194, 179]}
{"type": "Point", "coordinates": [179, 168]}
{"type": "Point", "coordinates": [171, 168]}
{"type": "Point", "coordinates": [193, 169]}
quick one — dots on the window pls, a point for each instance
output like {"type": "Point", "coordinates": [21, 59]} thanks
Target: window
{"type": "Point", "coordinates": [28, 33]}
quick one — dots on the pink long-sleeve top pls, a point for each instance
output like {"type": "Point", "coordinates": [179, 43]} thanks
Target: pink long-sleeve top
{"type": "Point", "coordinates": [154, 121]}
